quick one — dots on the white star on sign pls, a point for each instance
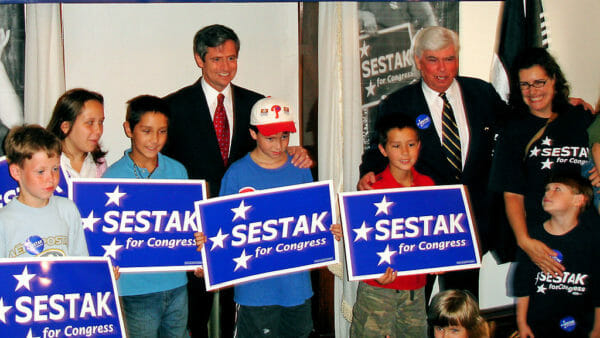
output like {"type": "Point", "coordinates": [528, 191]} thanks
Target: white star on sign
{"type": "Point", "coordinates": [218, 239]}
{"type": "Point", "coordinates": [364, 50]}
{"type": "Point", "coordinates": [3, 310]}
{"type": "Point", "coordinates": [240, 212]}
{"type": "Point", "coordinates": [535, 151]}
{"type": "Point", "coordinates": [111, 250]}
{"type": "Point", "coordinates": [547, 141]}
{"type": "Point", "coordinates": [30, 334]}
{"type": "Point", "coordinates": [541, 289]}
{"type": "Point", "coordinates": [114, 197]}
{"type": "Point", "coordinates": [547, 164]}
{"type": "Point", "coordinates": [386, 255]}
{"type": "Point", "coordinates": [370, 89]}
{"type": "Point", "coordinates": [24, 279]}
{"type": "Point", "coordinates": [383, 206]}
{"type": "Point", "coordinates": [88, 222]}
{"type": "Point", "coordinates": [362, 232]}
{"type": "Point", "coordinates": [242, 261]}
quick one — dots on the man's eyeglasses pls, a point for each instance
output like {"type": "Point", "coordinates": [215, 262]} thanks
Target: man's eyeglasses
{"type": "Point", "coordinates": [534, 84]}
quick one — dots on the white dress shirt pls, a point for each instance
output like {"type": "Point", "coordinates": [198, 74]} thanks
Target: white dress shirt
{"type": "Point", "coordinates": [436, 104]}
{"type": "Point", "coordinates": [211, 99]}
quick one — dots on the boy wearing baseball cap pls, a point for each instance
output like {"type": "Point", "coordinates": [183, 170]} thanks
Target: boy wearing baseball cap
{"type": "Point", "coordinates": [277, 306]}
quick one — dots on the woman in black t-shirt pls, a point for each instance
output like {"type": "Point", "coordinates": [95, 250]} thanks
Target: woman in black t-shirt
{"type": "Point", "coordinates": [546, 135]}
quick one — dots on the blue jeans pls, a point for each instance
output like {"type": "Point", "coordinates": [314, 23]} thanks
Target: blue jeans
{"type": "Point", "coordinates": [589, 165]}
{"type": "Point", "coordinates": [158, 314]}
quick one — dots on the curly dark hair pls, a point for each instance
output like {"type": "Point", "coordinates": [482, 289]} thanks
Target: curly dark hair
{"type": "Point", "coordinates": [528, 58]}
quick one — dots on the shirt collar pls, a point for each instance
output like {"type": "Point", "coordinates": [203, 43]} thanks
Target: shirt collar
{"type": "Point", "coordinates": [211, 93]}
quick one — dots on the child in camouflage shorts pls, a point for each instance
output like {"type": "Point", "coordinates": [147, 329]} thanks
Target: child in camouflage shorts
{"type": "Point", "coordinates": [389, 305]}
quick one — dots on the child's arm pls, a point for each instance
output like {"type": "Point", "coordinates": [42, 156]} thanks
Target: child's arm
{"type": "Point", "coordinates": [524, 329]}
{"type": "Point", "coordinates": [596, 156]}
{"type": "Point", "coordinates": [336, 230]}
{"type": "Point", "coordinates": [596, 329]}
{"type": "Point", "coordinates": [200, 238]}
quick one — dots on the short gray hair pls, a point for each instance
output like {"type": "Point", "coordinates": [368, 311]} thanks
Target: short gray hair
{"type": "Point", "coordinates": [434, 38]}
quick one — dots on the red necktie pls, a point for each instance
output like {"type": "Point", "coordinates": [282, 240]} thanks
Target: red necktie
{"type": "Point", "coordinates": [222, 128]}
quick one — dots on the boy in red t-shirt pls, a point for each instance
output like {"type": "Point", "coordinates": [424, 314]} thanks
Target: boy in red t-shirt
{"type": "Point", "coordinates": [392, 306]}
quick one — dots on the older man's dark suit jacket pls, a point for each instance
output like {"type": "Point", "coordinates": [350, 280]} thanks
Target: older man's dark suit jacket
{"type": "Point", "coordinates": [192, 139]}
{"type": "Point", "coordinates": [483, 107]}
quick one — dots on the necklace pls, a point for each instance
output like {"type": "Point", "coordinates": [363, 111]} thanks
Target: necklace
{"type": "Point", "coordinates": [138, 172]}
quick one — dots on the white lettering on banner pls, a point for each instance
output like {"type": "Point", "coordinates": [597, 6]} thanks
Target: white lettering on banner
{"type": "Point", "coordinates": [412, 227]}
{"type": "Point", "coordinates": [386, 63]}
{"type": "Point", "coordinates": [143, 221]}
{"type": "Point", "coordinates": [8, 196]}
{"type": "Point", "coordinates": [272, 229]}
{"type": "Point", "coordinates": [55, 307]}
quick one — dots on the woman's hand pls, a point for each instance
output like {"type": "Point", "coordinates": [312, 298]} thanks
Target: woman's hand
{"type": "Point", "coordinates": [542, 256]}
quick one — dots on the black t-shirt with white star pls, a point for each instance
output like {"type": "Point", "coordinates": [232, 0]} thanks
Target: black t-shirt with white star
{"type": "Point", "coordinates": [575, 295]}
{"type": "Point", "coordinates": [563, 147]}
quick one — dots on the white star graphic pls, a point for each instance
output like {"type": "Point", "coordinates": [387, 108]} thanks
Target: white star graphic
{"type": "Point", "coordinates": [24, 279]}
{"type": "Point", "coordinates": [240, 212]}
{"type": "Point", "coordinates": [535, 151]}
{"type": "Point", "coordinates": [364, 50]}
{"type": "Point", "coordinates": [3, 310]}
{"type": "Point", "coordinates": [114, 197]}
{"type": "Point", "coordinates": [242, 261]}
{"type": "Point", "coordinates": [386, 255]}
{"type": "Point", "coordinates": [362, 232]}
{"type": "Point", "coordinates": [547, 164]}
{"type": "Point", "coordinates": [111, 250]}
{"type": "Point", "coordinates": [547, 141]}
{"type": "Point", "coordinates": [88, 222]}
{"type": "Point", "coordinates": [30, 334]}
{"type": "Point", "coordinates": [218, 239]}
{"type": "Point", "coordinates": [370, 89]}
{"type": "Point", "coordinates": [541, 289]}
{"type": "Point", "coordinates": [383, 206]}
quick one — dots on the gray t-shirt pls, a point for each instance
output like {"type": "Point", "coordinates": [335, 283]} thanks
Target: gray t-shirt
{"type": "Point", "coordinates": [53, 230]}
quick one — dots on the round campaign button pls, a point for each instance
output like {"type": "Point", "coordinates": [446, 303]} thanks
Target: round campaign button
{"type": "Point", "coordinates": [558, 257]}
{"type": "Point", "coordinates": [423, 121]}
{"type": "Point", "coordinates": [34, 245]}
{"type": "Point", "coordinates": [568, 324]}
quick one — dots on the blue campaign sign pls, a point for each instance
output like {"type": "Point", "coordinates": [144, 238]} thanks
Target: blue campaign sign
{"type": "Point", "coordinates": [59, 297]}
{"type": "Point", "coordinates": [143, 225]}
{"type": "Point", "coordinates": [267, 233]}
{"type": "Point", "coordinates": [413, 230]}
{"type": "Point", "coordinates": [9, 188]}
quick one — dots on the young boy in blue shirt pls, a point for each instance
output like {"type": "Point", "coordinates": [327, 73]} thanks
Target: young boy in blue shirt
{"type": "Point", "coordinates": [36, 223]}
{"type": "Point", "coordinates": [277, 306]}
{"type": "Point", "coordinates": [155, 304]}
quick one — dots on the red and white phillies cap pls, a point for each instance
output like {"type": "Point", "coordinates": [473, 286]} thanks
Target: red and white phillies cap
{"type": "Point", "coordinates": [271, 116]}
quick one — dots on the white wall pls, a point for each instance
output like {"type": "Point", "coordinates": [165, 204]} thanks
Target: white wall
{"type": "Point", "coordinates": [124, 50]}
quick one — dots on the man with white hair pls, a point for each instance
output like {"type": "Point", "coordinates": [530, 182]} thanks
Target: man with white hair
{"type": "Point", "coordinates": [456, 117]}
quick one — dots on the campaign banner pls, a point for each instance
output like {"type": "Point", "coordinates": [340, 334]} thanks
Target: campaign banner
{"type": "Point", "coordinates": [59, 297]}
{"type": "Point", "coordinates": [9, 188]}
{"type": "Point", "coordinates": [142, 225]}
{"type": "Point", "coordinates": [267, 233]}
{"type": "Point", "coordinates": [413, 230]}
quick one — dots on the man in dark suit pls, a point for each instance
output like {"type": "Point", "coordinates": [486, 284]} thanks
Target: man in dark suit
{"type": "Point", "coordinates": [193, 141]}
{"type": "Point", "coordinates": [476, 107]}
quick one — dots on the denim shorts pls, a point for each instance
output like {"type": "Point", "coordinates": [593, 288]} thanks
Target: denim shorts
{"type": "Point", "coordinates": [158, 314]}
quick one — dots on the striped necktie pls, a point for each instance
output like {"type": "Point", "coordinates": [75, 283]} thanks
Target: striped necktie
{"type": "Point", "coordinates": [451, 139]}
